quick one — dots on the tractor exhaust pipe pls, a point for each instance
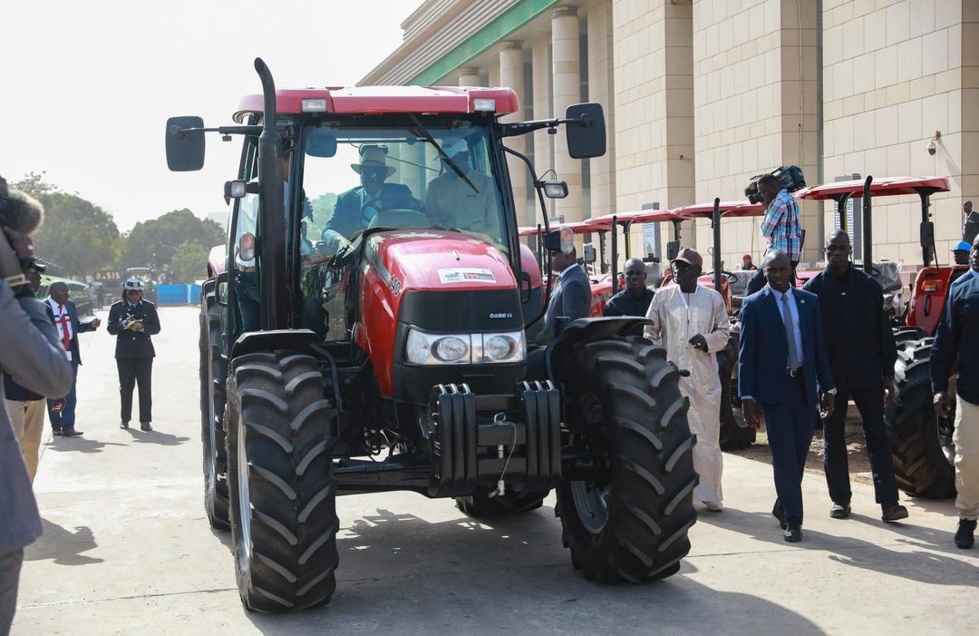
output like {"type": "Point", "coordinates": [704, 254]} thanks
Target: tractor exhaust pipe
{"type": "Point", "coordinates": [270, 247]}
{"type": "Point", "coordinates": [868, 236]}
{"type": "Point", "coordinates": [715, 224]}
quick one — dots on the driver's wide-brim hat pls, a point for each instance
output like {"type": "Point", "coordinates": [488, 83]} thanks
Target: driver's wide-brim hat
{"type": "Point", "coordinates": [373, 157]}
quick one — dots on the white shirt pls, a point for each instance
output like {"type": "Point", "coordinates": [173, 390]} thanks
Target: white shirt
{"type": "Point", "coordinates": [63, 324]}
{"type": "Point", "coordinates": [794, 310]}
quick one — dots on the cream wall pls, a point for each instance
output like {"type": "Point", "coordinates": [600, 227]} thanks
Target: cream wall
{"type": "Point", "coordinates": [894, 75]}
{"type": "Point", "coordinates": [652, 49]}
{"type": "Point", "coordinates": [755, 102]}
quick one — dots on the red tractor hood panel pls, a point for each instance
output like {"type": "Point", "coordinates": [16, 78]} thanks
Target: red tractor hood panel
{"type": "Point", "coordinates": [422, 259]}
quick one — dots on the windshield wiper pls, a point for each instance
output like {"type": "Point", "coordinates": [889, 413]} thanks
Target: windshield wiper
{"type": "Point", "coordinates": [452, 164]}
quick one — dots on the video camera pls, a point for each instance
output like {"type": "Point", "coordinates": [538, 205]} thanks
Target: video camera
{"type": "Point", "coordinates": [789, 177]}
{"type": "Point", "coordinates": [19, 216]}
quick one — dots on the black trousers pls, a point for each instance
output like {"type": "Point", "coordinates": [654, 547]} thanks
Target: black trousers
{"type": "Point", "coordinates": [133, 371]}
{"type": "Point", "coordinates": [870, 404]}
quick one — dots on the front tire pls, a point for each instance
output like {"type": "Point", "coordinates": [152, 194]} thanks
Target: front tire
{"type": "Point", "coordinates": [629, 521]}
{"type": "Point", "coordinates": [283, 492]}
{"type": "Point", "coordinates": [920, 465]}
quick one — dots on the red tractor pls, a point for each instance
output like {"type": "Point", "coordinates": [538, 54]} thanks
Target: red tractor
{"type": "Point", "coordinates": [407, 354]}
{"type": "Point", "coordinates": [922, 444]}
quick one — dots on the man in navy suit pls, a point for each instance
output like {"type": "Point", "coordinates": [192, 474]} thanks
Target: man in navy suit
{"type": "Point", "coordinates": [64, 314]}
{"type": "Point", "coordinates": [571, 295]}
{"type": "Point", "coordinates": [782, 356]}
{"type": "Point", "coordinates": [357, 207]}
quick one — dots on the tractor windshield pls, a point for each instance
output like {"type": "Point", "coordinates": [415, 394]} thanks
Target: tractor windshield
{"type": "Point", "coordinates": [358, 179]}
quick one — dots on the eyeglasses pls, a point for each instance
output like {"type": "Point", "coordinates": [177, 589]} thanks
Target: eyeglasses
{"type": "Point", "coordinates": [373, 172]}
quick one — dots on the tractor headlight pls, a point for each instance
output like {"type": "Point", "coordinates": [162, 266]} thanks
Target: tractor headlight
{"type": "Point", "coordinates": [428, 348]}
{"type": "Point", "coordinates": [503, 347]}
{"type": "Point", "coordinates": [431, 349]}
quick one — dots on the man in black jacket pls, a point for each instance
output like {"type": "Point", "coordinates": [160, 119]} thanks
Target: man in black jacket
{"type": "Point", "coordinates": [133, 320]}
{"type": "Point", "coordinates": [862, 354]}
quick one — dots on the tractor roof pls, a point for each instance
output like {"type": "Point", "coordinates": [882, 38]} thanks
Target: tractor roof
{"type": "Point", "coordinates": [604, 222]}
{"type": "Point", "coordinates": [372, 100]}
{"type": "Point", "coordinates": [884, 186]}
{"type": "Point", "coordinates": [728, 209]}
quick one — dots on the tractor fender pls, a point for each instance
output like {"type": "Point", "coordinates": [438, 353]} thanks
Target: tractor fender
{"type": "Point", "coordinates": [258, 341]}
{"type": "Point", "coordinates": [559, 352]}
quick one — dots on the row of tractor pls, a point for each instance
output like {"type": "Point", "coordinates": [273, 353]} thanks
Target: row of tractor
{"type": "Point", "coordinates": [921, 444]}
{"type": "Point", "coordinates": [409, 355]}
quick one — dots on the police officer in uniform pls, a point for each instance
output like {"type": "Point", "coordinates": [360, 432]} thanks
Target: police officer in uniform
{"type": "Point", "coordinates": [133, 320]}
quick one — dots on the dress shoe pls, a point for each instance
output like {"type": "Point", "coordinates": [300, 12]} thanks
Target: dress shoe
{"type": "Point", "coordinates": [71, 433]}
{"type": "Point", "coordinates": [56, 432]}
{"type": "Point", "coordinates": [840, 511]}
{"type": "Point", "coordinates": [965, 536]}
{"type": "Point", "coordinates": [893, 512]}
{"type": "Point", "coordinates": [779, 514]}
{"type": "Point", "coordinates": [124, 426]}
{"type": "Point", "coordinates": [793, 533]}
{"type": "Point", "coordinates": [145, 426]}
{"type": "Point", "coordinates": [713, 506]}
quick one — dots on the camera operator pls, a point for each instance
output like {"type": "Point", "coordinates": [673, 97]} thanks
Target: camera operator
{"type": "Point", "coordinates": [781, 227]}
{"type": "Point", "coordinates": [34, 358]}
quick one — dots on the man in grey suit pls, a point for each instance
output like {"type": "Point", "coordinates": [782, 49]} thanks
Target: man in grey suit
{"type": "Point", "coordinates": [571, 295]}
{"type": "Point", "coordinates": [34, 357]}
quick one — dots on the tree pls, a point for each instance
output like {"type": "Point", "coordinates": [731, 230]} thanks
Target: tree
{"type": "Point", "coordinates": [154, 243]}
{"type": "Point", "coordinates": [189, 263]}
{"type": "Point", "coordinates": [77, 237]}
{"type": "Point", "coordinates": [322, 211]}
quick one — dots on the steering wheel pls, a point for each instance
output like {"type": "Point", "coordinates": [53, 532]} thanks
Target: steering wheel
{"type": "Point", "coordinates": [399, 217]}
{"type": "Point", "coordinates": [730, 276]}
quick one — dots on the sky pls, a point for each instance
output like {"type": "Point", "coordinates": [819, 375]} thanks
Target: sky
{"type": "Point", "coordinates": [87, 87]}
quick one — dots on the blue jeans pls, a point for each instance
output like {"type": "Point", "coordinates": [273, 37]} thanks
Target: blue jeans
{"type": "Point", "coordinates": [65, 420]}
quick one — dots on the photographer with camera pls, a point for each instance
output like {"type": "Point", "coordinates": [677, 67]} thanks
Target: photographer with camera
{"type": "Point", "coordinates": [33, 356]}
{"type": "Point", "coordinates": [781, 226]}
{"type": "Point", "coordinates": [133, 320]}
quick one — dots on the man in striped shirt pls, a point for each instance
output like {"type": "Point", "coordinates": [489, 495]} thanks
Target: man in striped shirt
{"type": "Point", "coordinates": [781, 226]}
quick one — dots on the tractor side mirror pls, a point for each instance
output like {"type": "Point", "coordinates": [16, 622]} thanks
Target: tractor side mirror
{"type": "Point", "coordinates": [927, 230]}
{"type": "Point", "coordinates": [672, 250]}
{"type": "Point", "coordinates": [588, 253]}
{"type": "Point", "coordinates": [586, 130]}
{"type": "Point", "coordinates": [185, 144]}
{"type": "Point", "coordinates": [321, 143]}
{"type": "Point", "coordinates": [555, 189]}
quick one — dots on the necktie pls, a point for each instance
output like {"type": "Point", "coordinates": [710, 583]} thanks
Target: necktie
{"type": "Point", "coordinates": [63, 319]}
{"type": "Point", "coordinates": [789, 333]}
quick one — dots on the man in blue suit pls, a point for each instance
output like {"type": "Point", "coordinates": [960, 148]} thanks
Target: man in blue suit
{"type": "Point", "coordinates": [357, 207]}
{"type": "Point", "coordinates": [571, 295]}
{"type": "Point", "coordinates": [64, 314]}
{"type": "Point", "coordinates": [782, 356]}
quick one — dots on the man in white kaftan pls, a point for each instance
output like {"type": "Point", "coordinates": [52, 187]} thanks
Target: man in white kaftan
{"type": "Point", "coordinates": [692, 324]}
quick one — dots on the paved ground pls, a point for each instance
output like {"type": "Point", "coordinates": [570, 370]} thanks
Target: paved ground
{"type": "Point", "coordinates": [127, 550]}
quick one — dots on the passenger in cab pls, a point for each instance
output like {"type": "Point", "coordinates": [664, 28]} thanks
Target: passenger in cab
{"type": "Point", "coordinates": [466, 202]}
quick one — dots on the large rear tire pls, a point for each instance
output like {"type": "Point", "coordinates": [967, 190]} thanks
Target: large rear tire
{"type": "Point", "coordinates": [213, 375]}
{"type": "Point", "coordinates": [283, 492]}
{"type": "Point", "coordinates": [480, 504]}
{"type": "Point", "coordinates": [735, 433]}
{"type": "Point", "coordinates": [629, 521]}
{"type": "Point", "coordinates": [920, 466]}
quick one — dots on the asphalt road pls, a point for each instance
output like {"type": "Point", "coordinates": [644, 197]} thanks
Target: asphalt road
{"type": "Point", "coordinates": [127, 549]}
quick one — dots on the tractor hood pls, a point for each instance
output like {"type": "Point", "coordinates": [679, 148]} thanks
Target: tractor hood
{"type": "Point", "coordinates": [435, 260]}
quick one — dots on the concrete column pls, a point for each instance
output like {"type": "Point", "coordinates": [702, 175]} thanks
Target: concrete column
{"type": "Point", "coordinates": [567, 90]}
{"type": "Point", "coordinates": [541, 69]}
{"type": "Point", "coordinates": [469, 76]}
{"type": "Point", "coordinates": [512, 76]}
{"type": "Point", "coordinates": [601, 90]}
